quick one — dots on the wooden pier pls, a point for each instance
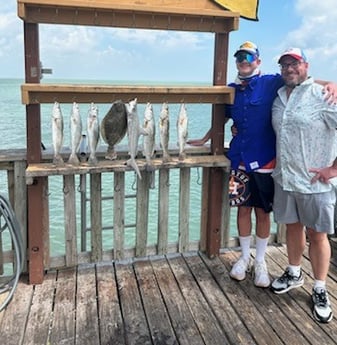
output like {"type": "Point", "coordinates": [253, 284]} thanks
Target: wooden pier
{"type": "Point", "coordinates": [172, 299]}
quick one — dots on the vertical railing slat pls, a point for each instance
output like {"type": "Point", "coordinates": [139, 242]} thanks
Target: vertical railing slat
{"type": "Point", "coordinates": [70, 219]}
{"type": "Point", "coordinates": [225, 216]}
{"type": "Point", "coordinates": [119, 215]}
{"type": "Point", "coordinates": [96, 217]}
{"type": "Point", "coordinates": [184, 209]}
{"type": "Point", "coordinates": [20, 203]}
{"type": "Point", "coordinates": [83, 202]}
{"type": "Point", "coordinates": [204, 209]}
{"type": "Point", "coordinates": [142, 210]}
{"type": "Point", "coordinates": [163, 210]}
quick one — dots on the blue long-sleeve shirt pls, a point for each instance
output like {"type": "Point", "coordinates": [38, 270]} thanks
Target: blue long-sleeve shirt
{"type": "Point", "coordinates": [254, 144]}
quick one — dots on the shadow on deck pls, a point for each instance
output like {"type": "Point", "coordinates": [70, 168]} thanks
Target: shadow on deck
{"type": "Point", "coordinates": [180, 299]}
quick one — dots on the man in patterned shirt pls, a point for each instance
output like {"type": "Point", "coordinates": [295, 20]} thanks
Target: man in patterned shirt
{"type": "Point", "coordinates": [306, 164]}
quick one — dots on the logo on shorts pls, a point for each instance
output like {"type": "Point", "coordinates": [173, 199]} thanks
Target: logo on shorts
{"type": "Point", "coordinates": [238, 192]}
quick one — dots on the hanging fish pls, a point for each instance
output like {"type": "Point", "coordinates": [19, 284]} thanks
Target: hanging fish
{"type": "Point", "coordinates": [134, 130]}
{"type": "Point", "coordinates": [164, 126]}
{"type": "Point", "coordinates": [57, 133]}
{"type": "Point", "coordinates": [149, 141]}
{"type": "Point", "coordinates": [113, 127]}
{"type": "Point", "coordinates": [92, 133]}
{"type": "Point", "coordinates": [182, 124]}
{"type": "Point", "coordinates": [75, 134]}
{"type": "Point", "coordinates": [150, 129]}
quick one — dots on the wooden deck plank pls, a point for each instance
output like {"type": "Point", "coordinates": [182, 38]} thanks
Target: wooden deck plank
{"type": "Point", "coordinates": [86, 306]}
{"type": "Point", "coordinates": [63, 326]}
{"type": "Point", "coordinates": [236, 325]}
{"type": "Point", "coordinates": [135, 325]}
{"type": "Point", "coordinates": [181, 317]}
{"type": "Point", "coordinates": [110, 316]}
{"type": "Point", "coordinates": [205, 320]}
{"type": "Point", "coordinates": [40, 314]}
{"type": "Point", "coordinates": [15, 316]}
{"type": "Point", "coordinates": [173, 299]}
{"type": "Point", "coordinates": [155, 310]}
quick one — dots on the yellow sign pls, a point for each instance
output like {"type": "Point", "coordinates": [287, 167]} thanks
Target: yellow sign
{"type": "Point", "coordinates": [246, 8]}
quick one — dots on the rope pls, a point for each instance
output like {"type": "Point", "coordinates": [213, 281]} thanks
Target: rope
{"type": "Point", "coordinates": [11, 223]}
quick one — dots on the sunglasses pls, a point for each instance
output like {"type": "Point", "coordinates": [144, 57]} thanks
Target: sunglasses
{"type": "Point", "coordinates": [240, 57]}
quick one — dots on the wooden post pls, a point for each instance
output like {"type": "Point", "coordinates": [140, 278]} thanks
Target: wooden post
{"type": "Point", "coordinates": [33, 126]}
{"type": "Point", "coordinates": [216, 176]}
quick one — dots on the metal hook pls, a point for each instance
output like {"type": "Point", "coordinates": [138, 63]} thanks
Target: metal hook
{"type": "Point", "coordinates": [134, 182]}
{"type": "Point", "coordinates": [198, 177]}
{"type": "Point", "coordinates": [200, 23]}
{"type": "Point", "coordinates": [152, 180]}
{"type": "Point", "coordinates": [65, 190]}
{"type": "Point", "coordinates": [184, 22]}
{"type": "Point", "coordinates": [167, 181]}
{"type": "Point", "coordinates": [213, 25]}
{"type": "Point", "coordinates": [75, 19]}
{"type": "Point", "coordinates": [96, 18]}
{"type": "Point", "coordinates": [134, 19]}
{"type": "Point", "coordinates": [116, 187]}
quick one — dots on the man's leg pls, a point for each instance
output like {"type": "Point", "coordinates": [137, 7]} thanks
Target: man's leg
{"type": "Point", "coordinates": [295, 243]}
{"type": "Point", "coordinates": [319, 253]}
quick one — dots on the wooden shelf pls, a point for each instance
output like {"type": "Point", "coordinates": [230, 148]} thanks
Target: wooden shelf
{"type": "Point", "coordinates": [49, 93]}
{"type": "Point", "coordinates": [200, 15]}
{"type": "Point", "coordinates": [50, 169]}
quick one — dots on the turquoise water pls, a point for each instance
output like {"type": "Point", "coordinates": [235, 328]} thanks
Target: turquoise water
{"type": "Point", "coordinates": [13, 135]}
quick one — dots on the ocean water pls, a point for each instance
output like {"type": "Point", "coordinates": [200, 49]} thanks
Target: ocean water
{"type": "Point", "coordinates": [13, 136]}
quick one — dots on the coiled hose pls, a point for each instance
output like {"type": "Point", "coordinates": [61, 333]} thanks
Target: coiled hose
{"type": "Point", "coordinates": [9, 221]}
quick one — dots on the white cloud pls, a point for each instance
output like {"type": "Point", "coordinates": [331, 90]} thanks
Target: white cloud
{"type": "Point", "coordinates": [316, 34]}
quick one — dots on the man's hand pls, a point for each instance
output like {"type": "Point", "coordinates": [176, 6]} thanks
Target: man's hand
{"type": "Point", "coordinates": [323, 174]}
{"type": "Point", "coordinates": [330, 91]}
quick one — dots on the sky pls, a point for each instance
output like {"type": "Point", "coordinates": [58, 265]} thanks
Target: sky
{"type": "Point", "coordinates": [89, 53]}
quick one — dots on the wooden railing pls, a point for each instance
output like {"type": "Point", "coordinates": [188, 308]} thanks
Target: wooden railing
{"type": "Point", "coordinates": [104, 206]}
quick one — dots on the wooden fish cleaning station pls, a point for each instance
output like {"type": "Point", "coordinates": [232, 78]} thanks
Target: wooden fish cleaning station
{"type": "Point", "coordinates": [203, 16]}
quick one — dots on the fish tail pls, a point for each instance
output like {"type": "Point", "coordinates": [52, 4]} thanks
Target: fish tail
{"type": "Point", "coordinates": [58, 160]}
{"type": "Point", "coordinates": [182, 156]}
{"type": "Point", "coordinates": [132, 163]}
{"type": "Point", "coordinates": [166, 157]}
{"type": "Point", "coordinates": [92, 160]}
{"type": "Point", "coordinates": [73, 159]}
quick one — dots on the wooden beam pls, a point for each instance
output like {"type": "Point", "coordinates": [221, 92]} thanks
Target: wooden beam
{"type": "Point", "coordinates": [216, 176]}
{"type": "Point", "coordinates": [49, 93]}
{"type": "Point", "coordinates": [50, 169]}
{"type": "Point", "coordinates": [203, 16]}
{"type": "Point", "coordinates": [35, 192]}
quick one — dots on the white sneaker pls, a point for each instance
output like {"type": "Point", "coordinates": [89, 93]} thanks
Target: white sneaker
{"type": "Point", "coordinates": [239, 269]}
{"type": "Point", "coordinates": [261, 276]}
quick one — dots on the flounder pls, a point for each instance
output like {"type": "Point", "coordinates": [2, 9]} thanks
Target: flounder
{"type": "Point", "coordinates": [113, 127]}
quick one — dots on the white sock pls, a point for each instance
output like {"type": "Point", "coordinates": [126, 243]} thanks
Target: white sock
{"type": "Point", "coordinates": [261, 246]}
{"type": "Point", "coordinates": [245, 246]}
{"type": "Point", "coordinates": [295, 270]}
{"type": "Point", "coordinates": [319, 285]}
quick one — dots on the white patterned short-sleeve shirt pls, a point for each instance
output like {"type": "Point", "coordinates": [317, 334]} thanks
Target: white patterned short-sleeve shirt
{"type": "Point", "coordinates": [305, 126]}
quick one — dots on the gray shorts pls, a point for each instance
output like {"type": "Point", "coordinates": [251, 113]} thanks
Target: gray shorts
{"type": "Point", "coordinates": [314, 211]}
